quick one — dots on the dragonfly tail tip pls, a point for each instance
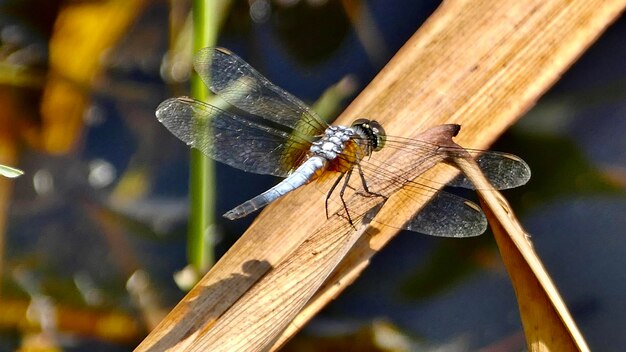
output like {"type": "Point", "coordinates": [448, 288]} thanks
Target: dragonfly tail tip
{"type": "Point", "coordinates": [231, 215]}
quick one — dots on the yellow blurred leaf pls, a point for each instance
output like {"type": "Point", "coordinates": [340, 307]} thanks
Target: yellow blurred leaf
{"type": "Point", "coordinates": [39, 342]}
{"type": "Point", "coordinates": [82, 32]}
{"type": "Point", "coordinates": [133, 185]}
{"type": "Point", "coordinates": [110, 325]}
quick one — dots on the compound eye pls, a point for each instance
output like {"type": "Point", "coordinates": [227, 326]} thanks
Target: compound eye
{"type": "Point", "coordinates": [374, 131]}
{"type": "Point", "coordinates": [378, 131]}
{"type": "Point", "coordinates": [360, 122]}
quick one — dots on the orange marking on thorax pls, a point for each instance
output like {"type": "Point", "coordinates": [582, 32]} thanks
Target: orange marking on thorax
{"type": "Point", "coordinates": [345, 161]}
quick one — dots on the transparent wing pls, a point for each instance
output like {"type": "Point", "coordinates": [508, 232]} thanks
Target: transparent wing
{"type": "Point", "coordinates": [503, 170]}
{"type": "Point", "coordinates": [244, 142]}
{"type": "Point", "coordinates": [235, 81]}
{"type": "Point", "coordinates": [445, 215]}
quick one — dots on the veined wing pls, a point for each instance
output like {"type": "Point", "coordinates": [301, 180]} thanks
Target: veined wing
{"type": "Point", "coordinates": [445, 215]}
{"type": "Point", "coordinates": [503, 170]}
{"type": "Point", "coordinates": [239, 84]}
{"type": "Point", "coordinates": [244, 142]}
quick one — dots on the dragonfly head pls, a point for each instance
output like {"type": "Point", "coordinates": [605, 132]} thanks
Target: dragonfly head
{"type": "Point", "coordinates": [373, 131]}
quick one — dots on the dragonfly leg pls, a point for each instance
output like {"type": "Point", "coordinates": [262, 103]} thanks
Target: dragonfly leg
{"type": "Point", "coordinates": [343, 189]}
{"type": "Point", "coordinates": [330, 192]}
{"type": "Point", "coordinates": [365, 188]}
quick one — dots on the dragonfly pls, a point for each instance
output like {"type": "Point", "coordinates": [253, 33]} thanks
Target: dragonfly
{"type": "Point", "coordinates": [260, 128]}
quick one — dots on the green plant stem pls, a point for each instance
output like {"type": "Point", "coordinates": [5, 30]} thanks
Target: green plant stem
{"type": "Point", "coordinates": [202, 193]}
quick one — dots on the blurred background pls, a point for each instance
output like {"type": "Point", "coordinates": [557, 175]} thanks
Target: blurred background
{"type": "Point", "coordinates": [93, 244]}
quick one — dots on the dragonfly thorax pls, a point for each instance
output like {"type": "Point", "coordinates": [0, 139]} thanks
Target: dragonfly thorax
{"type": "Point", "coordinates": [333, 142]}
